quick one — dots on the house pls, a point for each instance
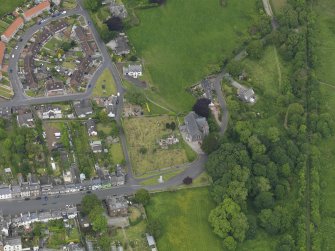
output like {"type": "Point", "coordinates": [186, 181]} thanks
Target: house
{"type": "Point", "coordinates": [82, 69]}
{"type": "Point", "coordinates": [16, 191]}
{"type": "Point", "coordinates": [118, 9]}
{"type": "Point", "coordinates": [51, 112]}
{"type": "Point", "coordinates": [53, 87]}
{"type": "Point", "coordinates": [25, 119]}
{"type": "Point", "coordinates": [34, 185]}
{"type": "Point", "coordinates": [91, 127]}
{"type": "Point", "coordinates": [5, 112]}
{"type": "Point", "coordinates": [5, 193]}
{"type": "Point", "coordinates": [96, 183]}
{"type": "Point", "coordinates": [30, 80]}
{"type": "Point", "coordinates": [117, 206]}
{"type": "Point", "coordinates": [96, 146]}
{"type": "Point", "coordinates": [120, 45]}
{"type": "Point", "coordinates": [46, 184]}
{"type": "Point", "coordinates": [12, 244]}
{"type": "Point", "coordinates": [133, 71]}
{"type": "Point", "coordinates": [247, 95]}
{"type": "Point", "coordinates": [36, 10]}
{"type": "Point", "coordinates": [111, 105]}
{"type": "Point", "coordinates": [83, 108]}
{"type": "Point", "coordinates": [196, 127]}
{"type": "Point", "coordinates": [12, 29]}
{"type": "Point", "coordinates": [25, 191]}
{"type": "Point", "coordinates": [2, 53]}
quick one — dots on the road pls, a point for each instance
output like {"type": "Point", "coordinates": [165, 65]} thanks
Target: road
{"type": "Point", "coordinates": [17, 205]}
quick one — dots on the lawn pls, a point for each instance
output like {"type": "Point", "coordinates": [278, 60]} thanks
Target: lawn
{"type": "Point", "coordinates": [146, 155]}
{"type": "Point", "coordinates": [166, 176]}
{"type": "Point", "coordinates": [173, 60]}
{"type": "Point", "coordinates": [117, 153]}
{"type": "Point", "coordinates": [325, 73]}
{"type": "Point", "coordinates": [4, 92]}
{"type": "Point", "coordinates": [105, 85]}
{"type": "Point", "coordinates": [184, 216]}
{"type": "Point", "coordinates": [277, 5]}
{"type": "Point", "coordinates": [326, 47]}
{"type": "Point", "coordinates": [7, 6]}
{"type": "Point", "coordinates": [69, 4]}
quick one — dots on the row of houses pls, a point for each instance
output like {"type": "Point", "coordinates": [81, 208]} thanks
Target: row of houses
{"type": "Point", "coordinates": [27, 16]}
{"type": "Point", "coordinates": [30, 80]}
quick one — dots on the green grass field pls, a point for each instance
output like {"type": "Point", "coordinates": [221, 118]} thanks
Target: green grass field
{"type": "Point", "coordinates": [143, 133]}
{"type": "Point", "coordinates": [106, 79]}
{"type": "Point", "coordinates": [277, 5]}
{"type": "Point", "coordinates": [326, 74]}
{"type": "Point", "coordinates": [7, 6]}
{"type": "Point", "coordinates": [117, 153]}
{"type": "Point", "coordinates": [184, 216]}
{"type": "Point", "coordinates": [183, 41]}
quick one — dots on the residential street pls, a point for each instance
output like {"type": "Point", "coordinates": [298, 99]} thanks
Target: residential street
{"type": "Point", "coordinates": [20, 99]}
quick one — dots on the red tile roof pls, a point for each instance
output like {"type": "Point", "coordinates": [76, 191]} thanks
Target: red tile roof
{"type": "Point", "coordinates": [2, 51]}
{"type": "Point", "coordinates": [13, 27]}
{"type": "Point", "coordinates": [36, 9]}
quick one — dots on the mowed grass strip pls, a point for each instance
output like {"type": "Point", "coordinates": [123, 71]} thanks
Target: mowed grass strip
{"type": "Point", "coordinates": [184, 217]}
{"type": "Point", "coordinates": [105, 80]}
{"type": "Point", "coordinates": [143, 133]}
{"type": "Point", "coordinates": [183, 41]}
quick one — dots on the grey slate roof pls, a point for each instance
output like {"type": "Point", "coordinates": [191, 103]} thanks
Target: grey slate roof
{"type": "Point", "coordinates": [83, 107]}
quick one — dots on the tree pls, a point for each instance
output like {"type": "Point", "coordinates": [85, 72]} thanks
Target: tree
{"type": "Point", "coordinates": [210, 143]}
{"type": "Point", "coordinates": [273, 134]}
{"type": "Point", "coordinates": [264, 200]}
{"type": "Point", "coordinates": [142, 196]}
{"type": "Point", "coordinates": [187, 180]}
{"type": "Point", "coordinates": [154, 228]}
{"type": "Point", "coordinates": [275, 221]}
{"type": "Point", "coordinates": [114, 24]}
{"type": "Point", "coordinates": [135, 97]}
{"type": "Point", "coordinates": [92, 5]}
{"type": "Point", "coordinates": [201, 107]}
{"type": "Point", "coordinates": [99, 223]}
{"type": "Point", "coordinates": [228, 220]}
{"type": "Point", "coordinates": [229, 243]}
{"type": "Point", "coordinates": [104, 241]}
{"type": "Point", "coordinates": [88, 202]}
{"type": "Point", "coordinates": [234, 68]}
{"type": "Point", "coordinates": [286, 243]}
{"type": "Point", "coordinates": [255, 49]}
{"type": "Point", "coordinates": [173, 126]}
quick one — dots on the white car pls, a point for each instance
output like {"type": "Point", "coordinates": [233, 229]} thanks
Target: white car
{"type": "Point", "coordinates": [13, 55]}
{"type": "Point", "coordinates": [16, 47]}
{"type": "Point", "coordinates": [64, 12]}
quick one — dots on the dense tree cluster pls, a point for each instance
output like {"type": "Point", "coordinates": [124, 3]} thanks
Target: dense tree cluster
{"type": "Point", "coordinates": [257, 165]}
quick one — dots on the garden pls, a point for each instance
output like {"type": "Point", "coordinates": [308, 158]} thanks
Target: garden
{"type": "Point", "coordinates": [143, 134]}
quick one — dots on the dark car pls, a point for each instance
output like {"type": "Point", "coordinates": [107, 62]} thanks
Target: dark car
{"type": "Point", "coordinates": [46, 198]}
{"type": "Point", "coordinates": [38, 198]}
{"type": "Point", "coordinates": [89, 22]}
{"type": "Point", "coordinates": [26, 198]}
{"type": "Point", "coordinates": [88, 191]}
{"type": "Point", "coordinates": [57, 196]}
{"type": "Point", "coordinates": [89, 86]}
{"type": "Point", "coordinates": [10, 70]}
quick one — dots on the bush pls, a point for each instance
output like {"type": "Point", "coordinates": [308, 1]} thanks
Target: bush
{"type": "Point", "coordinates": [114, 24]}
{"type": "Point", "coordinates": [188, 180]}
{"type": "Point", "coordinates": [142, 196]}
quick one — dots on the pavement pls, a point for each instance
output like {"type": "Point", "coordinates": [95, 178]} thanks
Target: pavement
{"type": "Point", "coordinates": [17, 205]}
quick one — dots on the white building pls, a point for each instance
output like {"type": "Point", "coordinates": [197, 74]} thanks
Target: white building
{"type": "Point", "coordinates": [12, 244]}
{"type": "Point", "coordinates": [5, 193]}
{"type": "Point", "coordinates": [133, 71]}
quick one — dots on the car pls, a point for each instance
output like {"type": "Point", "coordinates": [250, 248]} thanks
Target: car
{"type": "Point", "coordinates": [64, 12]}
{"type": "Point", "coordinates": [118, 94]}
{"type": "Point", "coordinates": [13, 55]}
{"type": "Point", "coordinates": [38, 198]}
{"type": "Point", "coordinates": [39, 22]}
{"type": "Point", "coordinates": [55, 202]}
{"type": "Point", "coordinates": [10, 70]}
{"type": "Point", "coordinates": [41, 210]}
{"type": "Point", "coordinates": [88, 191]}
{"type": "Point", "coordinates": [46, 198]}
{"type": "Point", "coordinates": [117, 101]}
{"type": "Point", "coordinates": [57, 196]}
{"type": "Point", "coordinates": [44, 204]}
{"type": "Point", "coordinates": [16, 47]}
{"type": "Point", "coordinates": [89, 86]}
{"type": "Point", "coordinates": [26, 198]}
{"type": "Point", "coordinates": [89, 22]}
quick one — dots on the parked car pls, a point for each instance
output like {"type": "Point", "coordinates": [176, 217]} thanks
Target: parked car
{"type": "Point", "coordinates": [38, 198]}
{"type": "Point", "coordinates": [26, 198]}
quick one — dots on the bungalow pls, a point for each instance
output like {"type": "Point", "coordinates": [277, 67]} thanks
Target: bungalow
{"type": "Point", "coordinates": [91, 127]}
{"type": "Point", "coordinates": [54, 88]}
{"type": "Point", "coordinates": [5, 193]}
{"type": "Point", "coordinates": [83, 108]}
{"type": "Point", "coordinates": [119, 45]}
{"type": "Point", "coordinates": [36, 10]}
{"type": "Point", "coordinates": [133, 71]}
{"type": "Point", "coordinates": [196, 127]}
{"type": "Point", "coordinates": [12, 29]}
{"type": "Point", "coordinates": [247, 95]}
{"type": "Point", "coordinates": [96, 146]}
{"type": "Point", "coordinates": [49, 112]}
{"type": "Point", "coordinates": [25, 119]}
